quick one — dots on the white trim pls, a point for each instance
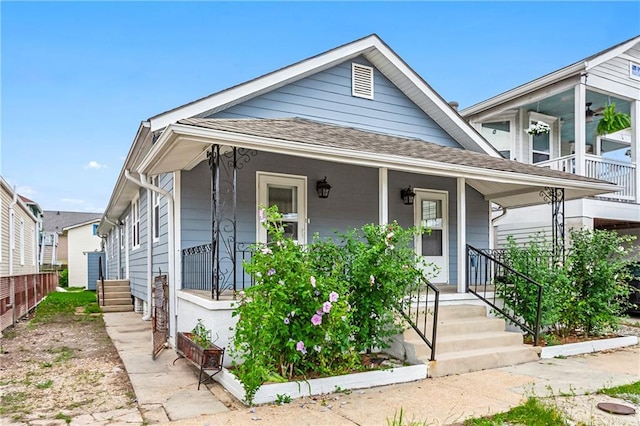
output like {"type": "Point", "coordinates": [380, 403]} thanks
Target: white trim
{"type": "Point", "coordinates": [635, 143]}
{"type": "Point", "coordinates": [34, 246]}
{"type": "Point", "coordinates": [21, 229]}
{"type": "Point", "coordinates": [155, 210]}
{"type": "Point", "coordinates": [263, 179]}
{"type": "Point", "coordinates": [341, 155]}
{"type": "Point", "coordinates": [443, 197]}
{"type": "Point", "coordinates": [553, 143]}
{"type": "Point", "coordinates": [579, 131]}
{"type": "Point", "coordinates": [461, 196]}
{"type": "Point", "coordinates": [383, 195]}
{"type": "Point", "coordinates": [362, 82]}
{"type": "Point", "coordinates": [612, 53]}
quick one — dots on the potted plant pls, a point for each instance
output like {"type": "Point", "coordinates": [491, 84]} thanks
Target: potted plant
{"type": "Point", "coordinates": [612, 121]}
{"type": "Point", "coordinates": [197, 347]}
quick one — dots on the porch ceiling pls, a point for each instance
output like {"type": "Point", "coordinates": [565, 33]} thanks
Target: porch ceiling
{"type": "Point", "coordinates": [505, 182]}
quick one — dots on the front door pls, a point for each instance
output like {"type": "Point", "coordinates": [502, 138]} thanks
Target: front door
{"type": "Point", "coordinates": [430, 211]}
{"type": "Point", "coordinates": [288, 192]}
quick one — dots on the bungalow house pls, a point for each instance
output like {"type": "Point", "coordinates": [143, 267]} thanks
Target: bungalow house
{"type": "Point", "coordinates": [84, 246]}
{"type": "Point", "coordinates": [572, 101]}
{"type": "Point", "coordinates": [347, 137]}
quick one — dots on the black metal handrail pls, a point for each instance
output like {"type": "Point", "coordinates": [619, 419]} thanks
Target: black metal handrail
{"type": "Point", "coordinates": [487, 277]}
{"type": "Point", "coordinates": [415, 310]}
{"type": "Point", "coordinates": [101, 278]}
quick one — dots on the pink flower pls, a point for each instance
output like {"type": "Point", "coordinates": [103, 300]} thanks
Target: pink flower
{"type": "Point", "coordinates": [271, 272]}
{"type": "Point", "coordinates": [326, 307]}
{"type": "Point", "coordinates": [313, 281]}
{"type": "Point", "coordinates": [333, 296]}
{"type": "Point", "coordinates": [390, 235]}
{"type": "Point", "coordinates": [300, 347]}
{"type": "Point", "coordinates": [316, 319]}
{"type": "Point", "coordinates": [266, 250]}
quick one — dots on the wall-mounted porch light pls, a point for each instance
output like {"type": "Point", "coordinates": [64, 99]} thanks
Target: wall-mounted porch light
{"type": "Point", "coordinates": [323, 188]}
{"type": "Point", "coordinates": [407, 195]}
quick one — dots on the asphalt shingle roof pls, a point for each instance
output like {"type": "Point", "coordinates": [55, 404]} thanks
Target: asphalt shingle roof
{"type": "Point", "coordinates": [330, 135]}
{"type": "Point", "coordinates": [55, 221]}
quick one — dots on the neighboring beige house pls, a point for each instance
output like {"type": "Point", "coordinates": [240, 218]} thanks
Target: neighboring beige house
{"type": "Point", "coordinates": [19, 228]}
{"type": "Point", "coordinates": [81, 239]}
{"type": "Point", "coordinates": [54, 251]}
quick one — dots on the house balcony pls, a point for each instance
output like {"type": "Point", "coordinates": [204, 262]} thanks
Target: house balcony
{"type": "Point", "coordinates": [621, 173]}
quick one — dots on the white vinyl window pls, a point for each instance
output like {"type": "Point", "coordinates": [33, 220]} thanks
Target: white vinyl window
{"type": "Point", "coordinates": [135, 223]}
{"type": "Point", "coordinates": [121, 228]}
{"type": "Point", "coordinates": [155, 213]}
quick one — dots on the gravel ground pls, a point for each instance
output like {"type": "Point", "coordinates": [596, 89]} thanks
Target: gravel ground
{"type": "Point", "coordinates": [60, 369]}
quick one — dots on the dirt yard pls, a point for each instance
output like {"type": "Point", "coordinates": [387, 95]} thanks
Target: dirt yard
{"type": "Point", "coordinates": [60, 369]}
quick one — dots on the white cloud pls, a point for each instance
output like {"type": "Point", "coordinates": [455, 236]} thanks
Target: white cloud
{"type": "Point", "coordinates": [95, 165]}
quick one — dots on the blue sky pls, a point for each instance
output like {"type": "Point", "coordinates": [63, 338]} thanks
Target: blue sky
{"type": "Point", "coordinates": [79, 77]}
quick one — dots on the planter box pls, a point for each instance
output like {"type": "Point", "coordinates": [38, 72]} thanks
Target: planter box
{"type": "Point", "coordinates": [208, 360]}
{"type": "Point", "coordinates": [269, 392]}
{"type": "Point", "coordinates": [587, 347]}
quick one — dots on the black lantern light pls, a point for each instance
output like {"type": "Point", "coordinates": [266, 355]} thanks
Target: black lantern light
{"type": "Point", "coordinates": [323, 188]}
{"type": "Point", "coordinates": [407, 195]}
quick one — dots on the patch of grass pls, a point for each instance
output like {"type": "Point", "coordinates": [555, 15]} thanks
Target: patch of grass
{"type": "Point", "coordinates": [60, 303]}
{"type": "Point", "coordinates": [9, 333]}
{"type": "Point", "coordinates": [92, 308]}
{"type": "Point", "coordinates": [12, 402]}
{"type": "Point", "coordinates": [533, 412]}
{"type": "Point", "coordinates": [61, 416]}
{"type": "Point", "coordinates": [65, 353]}
{"type": "Point", "coordinates": [630, 392]}
{"type": "Point", "coordinates": [44, 385]}
{"type": "Point", "coordinates": [46, 365]}
{"type": "Point", "coordinates": [398, 420]}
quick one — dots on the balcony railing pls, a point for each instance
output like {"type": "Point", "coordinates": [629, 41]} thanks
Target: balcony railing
{"type": "Point", "coordinates": [619, 172]}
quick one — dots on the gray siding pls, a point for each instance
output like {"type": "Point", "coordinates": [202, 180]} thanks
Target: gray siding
{"type": "Point", "coordinates": [138, 256]}
{"type": "Point", "coordinates": [617, 69]}
{"type": "Point", "coordinates": [112, 253]}
{"type": "Point", "coordinates": [326, 96]}
{"type": "Point", "coordinates": [159, 250]}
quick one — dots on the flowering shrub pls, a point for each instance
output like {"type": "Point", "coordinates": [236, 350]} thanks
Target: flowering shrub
{"type": "Point", "coordinates": [314, 309]}
{"type": "Point", "coordinates": [539, 128]}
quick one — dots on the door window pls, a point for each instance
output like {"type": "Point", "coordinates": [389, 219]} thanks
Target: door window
{"type": "Point", "coordinates": [289, 194]}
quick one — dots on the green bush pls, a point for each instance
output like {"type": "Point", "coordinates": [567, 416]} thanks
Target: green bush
{"type": "Point", "coordinates": [585, 294]}
{"type": "Point", "coordinates": [63, 278]}
{"type": "Point", "coordinates": [313, 309]}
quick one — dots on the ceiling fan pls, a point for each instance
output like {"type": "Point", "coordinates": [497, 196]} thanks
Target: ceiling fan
{"type": "Point", "coordinates": [590, 113]}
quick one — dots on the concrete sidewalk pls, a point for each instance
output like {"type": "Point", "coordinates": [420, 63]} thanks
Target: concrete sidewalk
{"type": "Point", "coordinates": [168, 392]}
{"type": "Point", "coordinates": [164, 390]}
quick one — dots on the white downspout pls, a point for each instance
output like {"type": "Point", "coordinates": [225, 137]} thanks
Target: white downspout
{"type": "Point", "coordinates": [171, 254]}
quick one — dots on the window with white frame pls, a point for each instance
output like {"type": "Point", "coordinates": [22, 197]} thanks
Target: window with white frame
{"type": "Point", "coordinates": [155, 213]}
{"type": "Point", "coordinates": [121, 229]}
{"type": "Point", "coordinates": [22, 242]}
{"type": "Point", "coordinates": [499, 135]}
{"type": "Point", "coordinates": [542, 145]}
{"type": "Point", "coordinates": [135, 223]}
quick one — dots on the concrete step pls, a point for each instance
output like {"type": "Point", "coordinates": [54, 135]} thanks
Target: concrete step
{"type": "Point", "coordinates": [117, 308]}
{"type": "Point", "coordinates": [466, 342]}
{"type": "Point", "coordinates": [116, 294]}
{"type": "Point", "coordinates": [455, 311]}
{"type": "Point", "coordinates": [117, 301]}
{"type": "Point", "coordinates": [480, 359]}
{"type": "Point", "coordinates": [469, 325]}
{"type": "Point", "coordinates": [115, 288]}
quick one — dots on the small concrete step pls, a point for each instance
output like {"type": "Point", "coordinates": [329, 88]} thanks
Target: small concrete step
{"type": "Point", "coordinates": [120, 288]}
{"type": "Point", "coordinates": [465, 325]}
{"type": "Point", "coordinates": [117, 301]}
{"type": "Point", "coordinates": [480, 359]}
{"type": "Point", "coordinates": [116, 295]}
{"type": "Point", "coordinates": [466, 342]}
{"type": "Point", "coordinates": [117, 308]}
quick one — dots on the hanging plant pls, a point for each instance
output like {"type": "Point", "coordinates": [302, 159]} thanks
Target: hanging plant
{"type": "Point", "coordinates": [612, 121]}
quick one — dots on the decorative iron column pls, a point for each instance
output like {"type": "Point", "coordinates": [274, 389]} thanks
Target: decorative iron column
{"type": "Point", "coordinates": [555, 197]}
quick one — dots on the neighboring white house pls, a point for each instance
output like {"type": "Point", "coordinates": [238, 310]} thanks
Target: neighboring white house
{"type": "Point", "coordinates": [82, 238]}
{"type": "Point", "coordinates": [19, 231]}
{"type": "Point", "coordinates": [571, 101]}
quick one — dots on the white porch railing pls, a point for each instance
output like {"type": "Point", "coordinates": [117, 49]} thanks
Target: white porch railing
{"type": "Point", "coordinates": [621, 173]}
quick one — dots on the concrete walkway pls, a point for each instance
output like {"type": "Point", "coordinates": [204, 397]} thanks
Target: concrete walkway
{"type": "Point", "coordinates": [165, 391]}
{"type": "Point", "coordinates": [168, 393]}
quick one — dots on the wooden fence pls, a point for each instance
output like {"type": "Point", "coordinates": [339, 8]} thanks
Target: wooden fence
{"type": "Point", "coordinates": [21, 293]}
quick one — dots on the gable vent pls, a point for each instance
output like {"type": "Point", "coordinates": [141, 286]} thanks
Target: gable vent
{"type": "Point", "coordinates": [361, 81]}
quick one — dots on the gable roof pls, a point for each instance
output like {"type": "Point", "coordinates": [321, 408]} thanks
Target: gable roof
{"type": "Point", "coordinates": [576, 68]}
{"type": "Point", "coordinates": [378, 53]}
{"type": "Point", "coordinates": [57, 221]}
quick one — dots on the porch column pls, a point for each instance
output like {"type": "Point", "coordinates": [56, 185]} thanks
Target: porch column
{"type": "Point", "coordinates": [461, 195]}
{"type": "Point", "coordinates": [635, 144]}
{"type": "Point", "coordinates": [383, 195]}
{"type": "Point", "coordinates": [580, 142]}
